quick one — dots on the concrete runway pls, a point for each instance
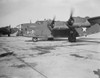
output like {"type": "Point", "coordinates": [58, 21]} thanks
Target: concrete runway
{"type": "Point", "coordinates": [50, 59]}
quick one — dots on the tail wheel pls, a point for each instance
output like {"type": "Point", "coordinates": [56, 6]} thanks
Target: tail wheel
{"type": "Point", "coordinates": [72, 37]}
{"type": "Point", "coordinates": [34, 39]}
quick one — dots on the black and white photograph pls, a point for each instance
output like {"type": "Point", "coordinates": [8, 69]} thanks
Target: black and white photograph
{"type": "Point", "coordinates": [49, 38]}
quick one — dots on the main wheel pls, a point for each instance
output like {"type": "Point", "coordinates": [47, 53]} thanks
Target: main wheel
{"type": "Point", "coordinates": [8, 35]}
{"type": "Point", "coordinates": [72, 37]}
{"type": "Point", "coordinates": [34, 39]}
{"type": "Point", "coordinates": [50, 39]}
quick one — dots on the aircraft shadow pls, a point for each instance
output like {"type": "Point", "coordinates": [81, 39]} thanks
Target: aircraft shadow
{"type": "Point", "coordinates": [89, 40]}
{"type": "Point", "coordinates": [79, 42]}
{"type": "Point", "coordinates": [48, 40]}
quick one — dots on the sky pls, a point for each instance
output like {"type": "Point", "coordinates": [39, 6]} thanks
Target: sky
{"type": "Point", "coordinates": [15, 12]}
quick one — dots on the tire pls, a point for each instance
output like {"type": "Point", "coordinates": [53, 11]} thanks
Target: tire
{"type": "Point", "coordinates": [51, 39]}
{"type": "Point", "coordinates": [34, 39]}
{"type": "Point", "coordinates": [72, 37]}
{"type": "Point", "coordinates": [8, 35]}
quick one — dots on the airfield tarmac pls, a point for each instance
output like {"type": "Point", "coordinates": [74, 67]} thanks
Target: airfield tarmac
{"type": "Point", "coordinates": [50, 59]}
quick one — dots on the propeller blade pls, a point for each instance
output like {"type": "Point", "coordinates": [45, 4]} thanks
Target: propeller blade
{"type": "Point", "coordinates": [71, 14]}
{"type": "Point", "coordinates": [53, 22]}
{"type": "Point", "coordinates": [71, 19]}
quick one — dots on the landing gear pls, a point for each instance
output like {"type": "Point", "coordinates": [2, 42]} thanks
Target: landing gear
{"type": "Point", "coordinates": [34, 39]}
{"type": "Point", "coordinates": [72, 36]}
{"type": "Point", "coordinates": [8, 35]}
{"type": "Point", "coordinates": [51, 38]}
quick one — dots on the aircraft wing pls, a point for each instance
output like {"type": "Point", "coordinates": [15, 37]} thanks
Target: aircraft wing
{"type": "Point", "coordinates": [94, 25]}
{"type": "Point", "coordinates": [93, 29]}
{"type": "Point", "coordinates": [80, 25]}
{"type": "Point", "coordinates": [88, 23]}
{"type": "Point", "coordinates": [5, 30]}
{"type": "Point", "coordinates": [94, 20]}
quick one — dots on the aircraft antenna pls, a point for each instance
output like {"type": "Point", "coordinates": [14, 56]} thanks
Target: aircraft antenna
{"type": "Point", "coordinates": [30, 21]}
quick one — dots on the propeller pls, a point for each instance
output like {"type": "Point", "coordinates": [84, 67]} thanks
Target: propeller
{"type": "Point", "coordinates": [71, 13]}
{"type": "Point", "coordinates": [71, 19]}
{"type": "Point", "coordinates": [53, 22]}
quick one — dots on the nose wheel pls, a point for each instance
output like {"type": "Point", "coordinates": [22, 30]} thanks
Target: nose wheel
{"type": "Point", "coordinates": [34, 39]}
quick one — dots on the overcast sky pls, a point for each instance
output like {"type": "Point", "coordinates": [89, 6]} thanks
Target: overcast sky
{"type": "Point", "coordinates": [14, 12]}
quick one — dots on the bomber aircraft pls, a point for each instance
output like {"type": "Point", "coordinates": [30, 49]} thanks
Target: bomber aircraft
{"type": "Point", "coordinates": [70, 29]}
{"type": "Point", "coordinates": [5, 31]}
